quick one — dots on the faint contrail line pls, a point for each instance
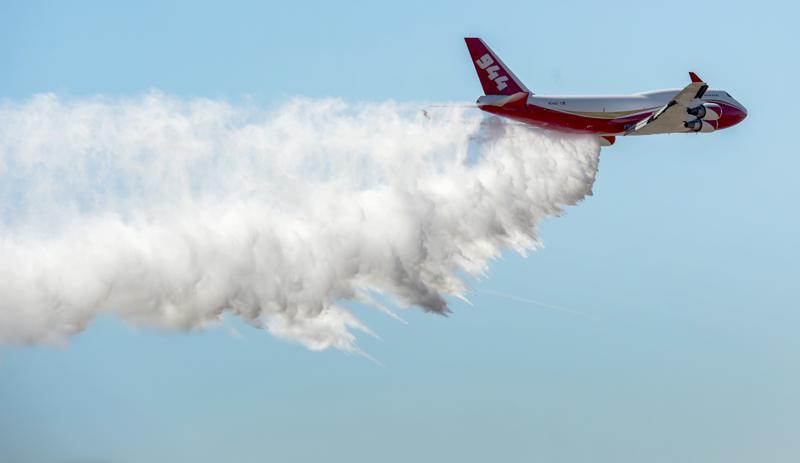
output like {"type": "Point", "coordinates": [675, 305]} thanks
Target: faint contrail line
{"type": "Point", "coordinates": [534, 302]}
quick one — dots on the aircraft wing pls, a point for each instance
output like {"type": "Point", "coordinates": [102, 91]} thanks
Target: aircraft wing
{"type": "Point", "coordinates": [670, 117]}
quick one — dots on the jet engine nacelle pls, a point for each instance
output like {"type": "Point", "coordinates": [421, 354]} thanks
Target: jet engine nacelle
{"type": "Point", "coordinates": [698, 125]}
{"type": "Point", "coordinates": [706, 111]}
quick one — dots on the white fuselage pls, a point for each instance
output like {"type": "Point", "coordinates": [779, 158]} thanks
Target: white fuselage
{"type": "Point", "coordinates": [618, 103]}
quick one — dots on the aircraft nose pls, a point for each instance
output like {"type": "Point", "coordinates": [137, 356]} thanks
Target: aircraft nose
{"type": "Point", "coordinates": [731, 115]}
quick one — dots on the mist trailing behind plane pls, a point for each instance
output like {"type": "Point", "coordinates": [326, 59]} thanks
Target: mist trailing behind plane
{"type": "Point", "coordinates": [172, 213]}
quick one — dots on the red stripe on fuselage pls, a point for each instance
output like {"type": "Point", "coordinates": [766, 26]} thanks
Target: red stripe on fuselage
{"type": "Point", "coordinates": [566, 122]}
{"type": "Point", "coordinates": [576, 123]}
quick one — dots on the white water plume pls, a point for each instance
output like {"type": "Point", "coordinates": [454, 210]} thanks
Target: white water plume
{"type": "Point", "coordinates": [170, 213]}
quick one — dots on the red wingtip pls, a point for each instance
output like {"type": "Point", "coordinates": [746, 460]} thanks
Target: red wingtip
{"type": "Point", "coordinates": [694, 77]}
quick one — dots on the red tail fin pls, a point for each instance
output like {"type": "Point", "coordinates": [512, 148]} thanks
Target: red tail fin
{"type": "Point", "coordinates": [496, 78]}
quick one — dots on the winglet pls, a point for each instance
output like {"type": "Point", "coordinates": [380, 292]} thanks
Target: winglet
{"type": "Point", "coordinates": [694, 77]}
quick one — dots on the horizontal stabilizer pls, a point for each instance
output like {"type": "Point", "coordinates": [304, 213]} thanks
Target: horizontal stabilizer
{"type": "Point", "coordinates": [516, 101]}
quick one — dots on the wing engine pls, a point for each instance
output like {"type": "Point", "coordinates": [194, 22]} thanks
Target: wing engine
{"type": "Point", "coordinates": [698, 125]}
{"type": "Point", "coordinates": [705, 111]}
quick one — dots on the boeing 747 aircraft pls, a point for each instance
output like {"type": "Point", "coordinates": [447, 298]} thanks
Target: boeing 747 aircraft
{"type": "Point", "coordinates": [695, 108]}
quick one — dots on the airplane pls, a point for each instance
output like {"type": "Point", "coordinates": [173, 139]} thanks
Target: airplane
{"type": "Point", "coordinates": [693, 109]}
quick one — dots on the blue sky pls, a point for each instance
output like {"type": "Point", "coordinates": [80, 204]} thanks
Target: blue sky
{"type": "Point", "coordinates": [685, 259]}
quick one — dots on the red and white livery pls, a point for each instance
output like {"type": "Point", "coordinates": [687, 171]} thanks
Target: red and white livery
{"type": "Point", "coordinates": [695, 108]}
